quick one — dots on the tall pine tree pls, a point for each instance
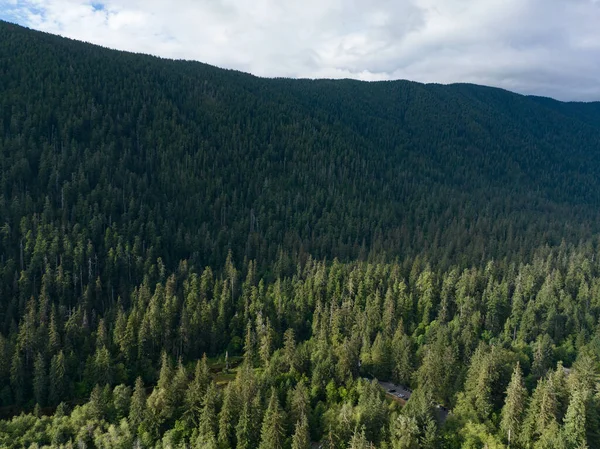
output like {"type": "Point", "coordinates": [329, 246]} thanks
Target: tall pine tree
{"type": "Point", "coordinates": [515, 405]}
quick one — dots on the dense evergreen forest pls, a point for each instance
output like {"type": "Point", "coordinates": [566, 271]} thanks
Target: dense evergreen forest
{"type": "Point", "coordinates": [193, 257]}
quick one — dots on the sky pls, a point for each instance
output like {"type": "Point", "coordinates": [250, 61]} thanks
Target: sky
{"type": "Point", "coordinates": [540, 47]}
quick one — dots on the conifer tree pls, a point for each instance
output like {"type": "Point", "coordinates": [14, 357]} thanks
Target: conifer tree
{"type": "Point", "coordinates": [227, 418]}
{"type": "Point", "coordinates": [329, 442]}
{"type": "Point", "coordinates": [40, 380]}
{"type": "Point", "coordinates": [244, 429]}
{"type": "Point", "coordinates": [101, 334]}
{"type": "Point", "coordinates": [401, 357]}
{"type": "Point", "coordinates": [574, 423]}
{"type": "Point", "coordinates": [207, 426]}
{"type": "Point", "coordinates": [515, 406]}
{"type": "Point", "coordinates": [557, 382]}
{"type": "Point", "coordinates": [541, 414]}
{"type": "Point", "coordinates": [120, 328]}
{"type": "Point", "coordinates": [96, 403]}
{"type": "Point", "coordinates": [425, 295]}
{"type": "Point", "coordinates": [359, 441]}
{"type": "Point", "coordinates": [53, 333]}
{"type": "Point", "coordinates": [17, 377]}
{"type": "Point", "coordinates": [58, 381]}
{"type": "Point", "coordinates": [380, 357]}
{"type": "Point", "coordinates": [179, 386]}
{"type": "Point", "coordinates": [429, 439]}
{"type": "Point", "coordinates": [102, 366]}
{"type": "Point", "coordinates": [266, 342]}
{"type": "Point", "coordinates": [196, 390]}
{"type": "Point", "coordinates": [202, 376]}
{"type": "Point", "coordinates": [137, 410]}
{"type": "Point", "coordinates": [249, 346]}
{"type": "Point", "coordinates": [161, 403]}
{"type": "Point", "coordinates": [404, 433]}
{"type": "Point", "coordinates": [299, 402]}
{"type": "Point", "coordinates": [542, 354]}
{"type": "Point", "coordinates": [289, 349]}
{"type": "Point", "coordinates": [301, 437]}
{"type": "Point", "coordinates": [272, 433]}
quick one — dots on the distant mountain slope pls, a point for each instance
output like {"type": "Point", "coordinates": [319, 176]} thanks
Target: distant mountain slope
{"type": "Point", "coordinates": [137, 156]}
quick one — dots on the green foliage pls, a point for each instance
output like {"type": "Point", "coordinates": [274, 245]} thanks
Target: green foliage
{"type": "Point", "coordinates": [227, 419]}
{"type": "Point", "coordinates": [160, 217]}
{"type": "Point", "coordinates": [575, 426]}
{"type": "Point", "coordinates": [515, 404]}
{"type": "Point", "coordinates": [121, 401]}
{"type": "Point", "coordinates": [404, 433]}
{"type": "Point", "coordinates": [207, 426]}
{"type": "Point", "coordinates": [40, 380]}
{"type": "Point", "coordinates": [137, 410]}
{"type": "Point", "coordinates": [272, 433]}
{"type": "Point", "coordinates": [359, 441]}
{"type": "Point", "coordinates": [301, 437]}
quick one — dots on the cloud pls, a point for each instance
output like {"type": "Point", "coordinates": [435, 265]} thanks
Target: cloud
{"type": "Point", "coordinates": [543, 47]}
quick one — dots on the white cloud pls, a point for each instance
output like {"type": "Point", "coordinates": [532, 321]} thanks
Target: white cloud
{"type": "Point", "coordinates": [548, 47]}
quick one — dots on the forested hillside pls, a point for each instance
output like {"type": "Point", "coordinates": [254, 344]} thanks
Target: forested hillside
{"type": "Point", "coordinates": [197, 257]}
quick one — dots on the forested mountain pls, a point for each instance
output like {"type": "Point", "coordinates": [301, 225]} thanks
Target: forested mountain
{"type": "Point", "coordinates": [197, 257]}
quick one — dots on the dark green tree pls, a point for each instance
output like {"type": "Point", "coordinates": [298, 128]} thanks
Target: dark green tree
{"type": "Point", "coordinates": [272, 434]}
{"type": "Point", "coordinates": [515, 406]}
{"type": "Point", "coordinates": [301, 437]}
{"type": "Point", "coordinates": [40, 380]}
{"type": "Point", "coordinates": [137, 410]}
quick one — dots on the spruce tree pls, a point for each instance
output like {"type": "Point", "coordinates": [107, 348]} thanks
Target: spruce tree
{"type": "Point", "coordinates": [58, 381]}
{"type": "Point", "coordinates": [96, 404]}
{"type": "Point", "coordinates": [161, 403]}
{"type": "Point", "coordinates": [289, 349]}
{"type": "Point", "coordinates": [515, 405]}
{"type": "Point", "coordinates": [196, 389]}
{"type": "Point", "coordinates": [40, 380]}
{"type": "Point", "coordinates": [301, 437]}
{"type": "Point", "coordinates": [243, 429]}
{"type": "Point", "coordinates": [299, 402]}
{"type": "Point", "coordinates": [249, 346]}
{"type": "Point", "coordinates": [202, 377]}
{"type": "Point", "coordinates": [329, 441]}
{"type": "Point", "coordinates": [429, 439]}
{"type": "Point", "coordinates": [401, 357]}
{"type": "Point", "coordinates": [404, 433]}
{"type": "Point", "coordinates": [227, 418]}
{"type": "Point", "coordinates": [17, 377]}
{"type": "Point", "coordinates": [207, 427]}
{"type": "Point", "coordinates": [272, 433]}
{"type": "Point", "coordinates": [574, 423]}
{"type": "Point", "coordinates": [102, 366]}
{"type": "Point", "coordinates": [266, 342]}
{"type": "Point", "coordinates": [359, 441]}
{"type": "Point", "coordinates": [541, 414]}
{"type": "Point", "coordinates": [53, 334]}
{"type": "Point", "coordinates": [179, 387]}
{"type": "Point", "coordinates": [137, 410]}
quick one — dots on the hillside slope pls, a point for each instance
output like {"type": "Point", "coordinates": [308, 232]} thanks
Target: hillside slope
{"type": "Point", "coordinates": [193, 160]}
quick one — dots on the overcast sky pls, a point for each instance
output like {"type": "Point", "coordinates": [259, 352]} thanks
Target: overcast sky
{"type": "Point", "coordinates": [544, 47]}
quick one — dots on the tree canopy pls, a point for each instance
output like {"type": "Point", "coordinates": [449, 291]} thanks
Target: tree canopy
{"type": "Point", "coordinates": [197, 257]}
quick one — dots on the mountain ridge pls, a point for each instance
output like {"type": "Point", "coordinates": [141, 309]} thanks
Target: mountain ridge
{"type": "Point", "coordinates": [15, 26]}
{"type": "Point", "coordinates": [373, 160]}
